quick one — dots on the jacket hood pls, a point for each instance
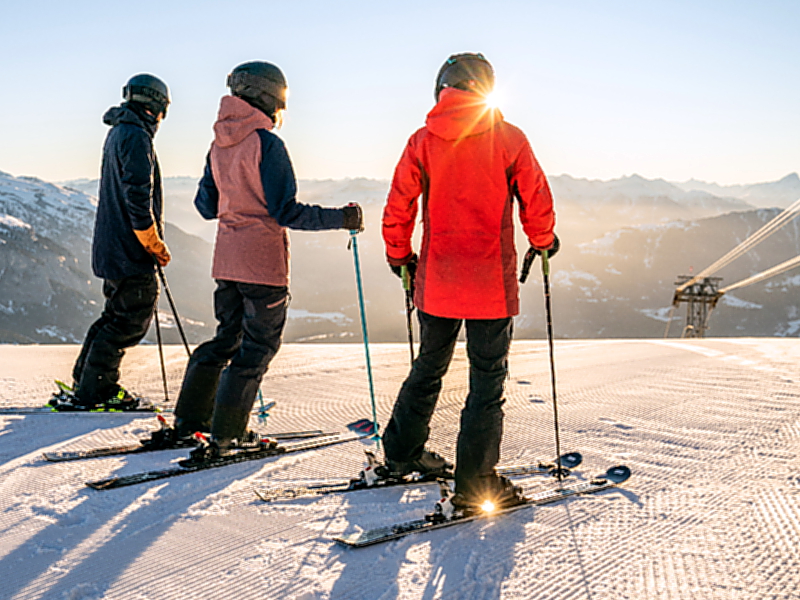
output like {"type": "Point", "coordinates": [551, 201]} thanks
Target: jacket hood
{"type": "Point", "coordinates": [130, 112]}
{"type": "Point", "coordinates": [459, 114]}
{"type": "Point", "coordinates": [236, 120]}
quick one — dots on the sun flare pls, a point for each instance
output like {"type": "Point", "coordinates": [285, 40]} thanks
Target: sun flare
{"type": "Point", "coordinates": [492, 100]}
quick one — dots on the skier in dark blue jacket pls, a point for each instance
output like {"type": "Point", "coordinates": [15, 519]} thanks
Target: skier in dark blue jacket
{"type": "Point", "coordinates": [128, 240]}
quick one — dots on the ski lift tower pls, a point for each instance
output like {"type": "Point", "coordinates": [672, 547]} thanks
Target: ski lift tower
{"type": "Point", "coordinates": [701, 298]}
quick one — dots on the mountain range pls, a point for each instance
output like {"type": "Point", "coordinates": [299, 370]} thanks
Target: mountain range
{"type": "Point", "coordinates": [623, 243]}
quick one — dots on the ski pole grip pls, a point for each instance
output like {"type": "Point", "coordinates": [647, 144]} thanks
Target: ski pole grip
{"type": "Point", "coordinates": [530, 256]}
{"type": "Point", "coordinates": [545, 264]}
{"type": "Point", "coordinates": [405, 277]}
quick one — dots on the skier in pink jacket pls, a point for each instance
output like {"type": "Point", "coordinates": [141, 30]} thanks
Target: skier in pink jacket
{"type": "Point", "coordinates": [250, 187]}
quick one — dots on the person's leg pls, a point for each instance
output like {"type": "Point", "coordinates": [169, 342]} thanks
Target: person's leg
{"type": "Point", "coordinates": [130, 304]}
{"type": "Point", "coordinates": [408, 430]}
{"type": "Point", "coordinates": [196, 399]}
{"type": "Point", "coordinates": [481, 431]}
{"type": "Point", "coordinates": [264, 317]}
{"type": "Point", "coordinates": [96, 327]}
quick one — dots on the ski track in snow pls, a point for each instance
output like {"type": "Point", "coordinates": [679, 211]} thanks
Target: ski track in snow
{"type": "Point", "coordinates": [710, 428]}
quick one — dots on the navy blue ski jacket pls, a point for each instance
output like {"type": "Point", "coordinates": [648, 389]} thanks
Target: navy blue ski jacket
{"type": "Point", "coordinates": [130, 195]}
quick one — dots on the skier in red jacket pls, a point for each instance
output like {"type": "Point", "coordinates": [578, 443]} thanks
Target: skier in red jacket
{"type": "Point", "coordinates": [469, 166]}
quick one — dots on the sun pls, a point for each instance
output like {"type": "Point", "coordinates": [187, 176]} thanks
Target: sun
{"type": "Point", "coordinates": [492, 99]}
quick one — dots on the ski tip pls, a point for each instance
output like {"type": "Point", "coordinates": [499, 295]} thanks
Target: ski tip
{"type": "Point", "coordinates": [618, 474]}
{"type": "Point", "coordinates": [352, 540]}
{"type": "Point", "coordinates": [102, 484]}
{"type": "Point", "coordinates": [363, 426]}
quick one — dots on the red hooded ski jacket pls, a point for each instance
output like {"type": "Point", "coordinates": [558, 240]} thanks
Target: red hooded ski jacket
{"type": "Point", "coordinates": [469, 165]}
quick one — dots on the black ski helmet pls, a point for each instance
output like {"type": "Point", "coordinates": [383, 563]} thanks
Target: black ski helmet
{"type": "Point", "coordinates": [261, 84]}
{"type": "Point", "coordinates": [461, 69]}
{"type": "Point", "coordinates": [148, 90]}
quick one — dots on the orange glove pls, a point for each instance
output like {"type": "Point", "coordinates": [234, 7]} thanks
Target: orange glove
{"type": "Point", "coordinates": [154, 244]}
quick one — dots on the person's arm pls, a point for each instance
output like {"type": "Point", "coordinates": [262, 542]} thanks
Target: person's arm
{"type": "Point", "coordinates": [137, 161]}
{"type": "Point", "coordinates": [531, 189]}
{"type": "Point", "coordinates": [206, 201]}
{"type": "Point", "coordinates": [280, 191]}
{"type": "Point", "coordinates": [401, 208]}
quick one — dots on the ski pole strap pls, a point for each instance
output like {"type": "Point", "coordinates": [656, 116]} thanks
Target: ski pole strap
{"type": "Point", "coordinates": [530, 256]}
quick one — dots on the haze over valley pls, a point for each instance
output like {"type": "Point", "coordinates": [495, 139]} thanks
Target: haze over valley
{"type": "Point", "coordinates": [623, 243]}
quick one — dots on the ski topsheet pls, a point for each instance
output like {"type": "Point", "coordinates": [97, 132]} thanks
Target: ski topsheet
{"type": "Point", "coordinates": [611, 478]}
{"type": "Point", "coordinates": [142, 446]}
{"type": "Point", "coordinates": [336, 486]}
{"type": "Point", "coordinates": [49, 410]}
{"type": "Point", "coordinates": [126, 480]}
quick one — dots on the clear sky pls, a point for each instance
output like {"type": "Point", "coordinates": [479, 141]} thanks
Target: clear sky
{"type": "Point", "coordinates": [673, 89]}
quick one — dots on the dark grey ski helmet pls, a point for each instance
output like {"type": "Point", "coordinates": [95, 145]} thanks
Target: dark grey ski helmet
{"type": "Point", "coordinates": [148, 90]}
{"type": "Point", "coordinates": [260, 83]}
{"type": "Point", "coordinates": [460, 70]}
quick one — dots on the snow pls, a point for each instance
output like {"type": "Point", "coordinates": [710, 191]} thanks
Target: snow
{"type": "Point", "coordinates": [301, 313]}
{"type": "Point", "coordinates": [13, 222]}
{"type": "Point", "coordinates": [787, 282]}
{"type": "Point", "coordinates": [659, 314]}
{"type": "Point", "coordinates": [565, 278]}
{"type": "Point", "coordinates": [710, 428]}
{"type": "Point", "coordinates": [730, 300]}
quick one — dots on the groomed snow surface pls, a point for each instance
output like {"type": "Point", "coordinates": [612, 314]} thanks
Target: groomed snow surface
{"type": "Point", "coordinates": [710, 428]}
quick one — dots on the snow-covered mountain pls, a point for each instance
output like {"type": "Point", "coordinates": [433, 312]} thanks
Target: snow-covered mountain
{"type": "Point", "coordinates": [623, 244]}
{"type": "Point", "coordinates": [47, 290]}
{"type": "Point", "coordinates": [779, 193]}
{"type": "Point", "coordinates": [621, 284]}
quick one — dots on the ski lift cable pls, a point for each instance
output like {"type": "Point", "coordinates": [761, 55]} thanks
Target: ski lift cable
{"type": "Point", "coordinates": [759, 236]}
{"type": "Point", "coordinates": [776, 270]}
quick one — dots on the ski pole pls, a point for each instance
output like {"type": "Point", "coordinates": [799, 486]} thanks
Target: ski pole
{"type": "Point", "coordinates": [548, 312]}
{"type": "Point", "coordinates": [172, 306]}
{"type": "Point", "coordinates": [354, 245]}
{"type": "Point", "coordinates": [530, 255]}
{"type": "Point", "coordinates": [161, 358]}
{"type": "Point", "coordinates": [406, 276]}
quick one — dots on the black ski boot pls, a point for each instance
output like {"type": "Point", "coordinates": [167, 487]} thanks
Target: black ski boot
{"type": "Point", "coordinates": [167, 437]}
{"type": "Point", "coordinates": [428, 464]}
{"type": "Point", "coordinates": [493, 492]}
{"type": "Point", "coordinates": [123, 400]}
{"type": "Point", "coordinates": [119, 401]}
{"type": "Point", "coordinates": [65, 400]}
{"type": "Point", "coordinates": [196, 400]}
{"type": "Point", "coordinates": [210, 448]}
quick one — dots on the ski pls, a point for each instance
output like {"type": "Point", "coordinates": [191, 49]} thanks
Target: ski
{"type": "Point", "coordinates": [186, 466]}
{"type": "Point", "coordinates": [145, 446]}
{"type": "Point", "coordinates": [160, 441]}
{"type": "Point", "coordinates": [49, 410]}
{"type": "Point", "coordinates": [440, 519]}
{"type": "Point", "coordinates": [364, 482]}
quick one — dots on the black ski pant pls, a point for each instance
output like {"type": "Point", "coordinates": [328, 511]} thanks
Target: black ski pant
{"type": "Point", "coordinates": [251, 319]}
{"type": "Point", "coordinates": [478, 449]}
{"type": "Point", "coordinates": [129, 307]}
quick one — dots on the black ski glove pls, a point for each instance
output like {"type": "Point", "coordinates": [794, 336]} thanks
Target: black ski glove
{"type": "Point", "coordinates": [550, 252]}
{"type": "Point", "coordinates": [411, 265]}
{"type": "Point", "coordinates": [532, 253]}
{"type": "Point", "coordinates": [353, 217]}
